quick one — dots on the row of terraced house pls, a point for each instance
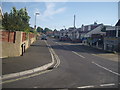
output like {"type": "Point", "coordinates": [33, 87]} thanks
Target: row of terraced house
{"type": "Point", "coordinates": [101, 36]}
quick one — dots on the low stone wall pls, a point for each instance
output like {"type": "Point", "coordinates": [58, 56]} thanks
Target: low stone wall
{"type": "Point", "coordinates": [111, 43]}
{"type": "Point", "coordinates": [13, 49]}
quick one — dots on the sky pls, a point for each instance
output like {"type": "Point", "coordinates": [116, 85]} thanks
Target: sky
{"type": "Point", "coordinates": [56, 15]}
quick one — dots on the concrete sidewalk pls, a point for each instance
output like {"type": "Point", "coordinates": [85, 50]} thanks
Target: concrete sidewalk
{"type": "Point", "coordinates": [35, 56]}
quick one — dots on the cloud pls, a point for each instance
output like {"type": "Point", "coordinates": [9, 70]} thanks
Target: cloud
{"type": "Point", "coordinates": [51, 11]}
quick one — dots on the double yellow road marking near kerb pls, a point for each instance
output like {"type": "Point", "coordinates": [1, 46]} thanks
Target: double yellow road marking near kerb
{"type": "Point", "coordinates": [25, 77]}
{"type": "Point", "coordinates": [53, 56]}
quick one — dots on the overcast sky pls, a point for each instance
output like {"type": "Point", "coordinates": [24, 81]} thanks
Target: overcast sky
{"type": "Point", "coordinates": [58, 14]}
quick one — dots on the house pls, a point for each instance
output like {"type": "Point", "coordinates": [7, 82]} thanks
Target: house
{"type": "Point", "coordinates": [64, 35]}
{"type": "Point", "coordinates": [56, 33]}
{"type": "Point", "coordinates": [88, 30]}
{"type": "Point", "coordinates": [95, 36]}
{"type": "Point", "coordinates": [112, 38]}
{"type": "Point", "coordinates": [76, 35]}
{"type": "Point", "coordinates": [70, 32]}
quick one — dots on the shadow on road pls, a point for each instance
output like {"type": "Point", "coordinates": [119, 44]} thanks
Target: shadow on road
{"type": "Point", "coordinates": [79, 48]}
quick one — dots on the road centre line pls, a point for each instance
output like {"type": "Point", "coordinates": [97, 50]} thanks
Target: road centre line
{"type": "Point", "coordinates": [98, 64]}
{"type": "Point", "coordinates": [72, 51]}
{"type": "Point", "coordinates": [106, 69]}
{"type": "Point", "coordinates": [107, 84]}
{"type": "Point", "coordinates": [78, 54]}
{"type": "Point", "coordinates": [101, 85]}
{"type": "Point", "coordinates": [86, 86]}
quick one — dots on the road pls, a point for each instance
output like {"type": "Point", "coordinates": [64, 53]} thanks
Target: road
{"type": "Point", "coordinates": [78, 68]}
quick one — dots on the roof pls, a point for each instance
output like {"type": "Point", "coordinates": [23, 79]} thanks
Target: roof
{"type": "Point", "coordinates": [118, 23]}
{"type": "Point", "coordinates": [95, 31]}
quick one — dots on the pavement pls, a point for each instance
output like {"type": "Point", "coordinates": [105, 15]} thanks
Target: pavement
{"type": "Point", "coordinates": [36, 55]}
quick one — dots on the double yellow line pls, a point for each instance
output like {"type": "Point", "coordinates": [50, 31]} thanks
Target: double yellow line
{"type": "Point", "coordinates": [53, 56]}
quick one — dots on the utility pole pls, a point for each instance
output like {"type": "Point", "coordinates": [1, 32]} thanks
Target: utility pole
{"type": "Point", "coordinates": [74, 21]}
{"type": "Point", "coordinates": [74, 28]}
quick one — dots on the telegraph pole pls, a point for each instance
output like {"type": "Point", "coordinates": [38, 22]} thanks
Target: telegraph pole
{"type": "Point", "coordinates": [74, 21]}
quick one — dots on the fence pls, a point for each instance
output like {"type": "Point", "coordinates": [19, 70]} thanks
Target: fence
{"type": "Point", "coordinates": [7, 36]}
{"type": "Point", "coordinates": [11, 36]}
{"type": "Point", "coordinates": [12, 42]}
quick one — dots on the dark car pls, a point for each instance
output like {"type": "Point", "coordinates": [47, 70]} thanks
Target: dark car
{"type": "Point", "coordinates": [44, 37]}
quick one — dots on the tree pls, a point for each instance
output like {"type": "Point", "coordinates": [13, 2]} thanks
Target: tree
{"type": "Point", "coordinates": [5, 21]}
{"type": "Point", "coordinates": [39, 29]}
{"type": "Point", "coordinates": [46, 30]}
{"type": "Point", "coordinates": [16, 20]}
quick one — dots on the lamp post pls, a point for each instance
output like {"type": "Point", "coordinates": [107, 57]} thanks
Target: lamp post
{"type": "Point", "coordinates": [64, 27]}
{"type": "Point", "coordinates": [37, 13]}
{"type": "Point", "coordinates": [74, 22]}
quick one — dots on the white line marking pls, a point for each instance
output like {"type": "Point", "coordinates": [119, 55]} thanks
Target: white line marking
{"type": "Point", "coordinates": [78, 54]}
{"type": "Point", "coordinates": [107, 84]}
{"type": "Point", "coordinates": [106, 69]}
{"type": "Point", "coordinates": [85, 87]}
{"type": "Point", "coordinates": [102, 85]}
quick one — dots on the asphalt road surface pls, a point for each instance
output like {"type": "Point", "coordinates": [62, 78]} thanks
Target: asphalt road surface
{"type": "Point", "coordinates": [78, 68]}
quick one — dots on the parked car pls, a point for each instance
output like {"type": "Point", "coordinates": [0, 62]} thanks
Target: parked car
{"type": "Point", "coordinates": [43, 37]}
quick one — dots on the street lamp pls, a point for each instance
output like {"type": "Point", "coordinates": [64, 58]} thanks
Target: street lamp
{"type": "Point", "coordinates": [37, 13]}
{"type": "Point", "coordinates": [64, 27]}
